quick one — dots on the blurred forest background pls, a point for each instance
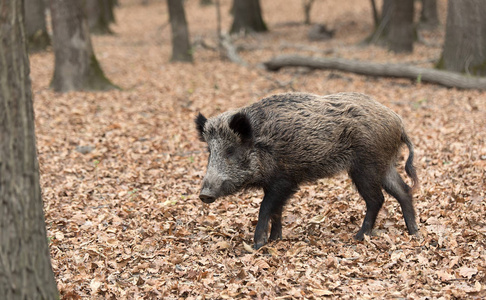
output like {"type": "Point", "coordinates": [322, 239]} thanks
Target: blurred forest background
{"type": "Point", "coordinates": [114, 87]}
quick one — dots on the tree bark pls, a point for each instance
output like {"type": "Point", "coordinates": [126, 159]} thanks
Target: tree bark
{"type": "Point", "coordinates": [25, 266]}
{"type": "Point", "coordinates": [401, 32]}
{"type": "Point", "coordinates": [448, 79]}
{"type": "Point", "coordinates": [35, 25]}
{"type": "Point", "coordinates": [247, 17]}
{"type": "Point", "coordinates": [109, 6]}
{"type": "Point", "coordinates": [380, 31]}
{"type": "Point", "coordinates": [100, 14]}
{"type": "Point", "coordinates": [205, 2]}
{"type": "Point", "coordinates": [429, 18]}
{"type": "Point", "coordinates": [307, 6]}
{"type": "Point", "coordinates": [395, 29]}
{"type": "Point", "coordinates": [76, 66]}
{"type": "Point", "coordinates": [181, 49]}
{"type": "Point", "coordinates": [465, 41]}
{"type": "Point", "coordinates": [376, 19]}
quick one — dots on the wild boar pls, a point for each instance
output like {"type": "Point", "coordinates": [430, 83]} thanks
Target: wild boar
{"type": "Point", "coordinates": [288, 139]}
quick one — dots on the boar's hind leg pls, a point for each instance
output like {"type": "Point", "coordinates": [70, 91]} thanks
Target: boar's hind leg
{"type": "Point", "coordinates": [396, 187]}
{"type": "Point", "coordinates": [370, 189]}
{"type": "Point", "coordinates": [271, 209]}
{"type": "Point", "coordinates": [276, 218]}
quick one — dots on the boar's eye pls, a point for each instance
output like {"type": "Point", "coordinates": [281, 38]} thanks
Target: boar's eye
{"type": "Point", "coordinates": [230, 152]}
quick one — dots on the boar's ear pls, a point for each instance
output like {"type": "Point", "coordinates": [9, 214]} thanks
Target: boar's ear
{"type": "Point", "coordinates": [241, 125]}
{"type": "Point", "coordinates": [200, 122]}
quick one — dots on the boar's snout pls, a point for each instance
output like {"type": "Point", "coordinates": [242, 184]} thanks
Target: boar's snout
{"type": "Point", "coordinates": [206, 196]}
{"type": "Point", "coordinates": [214, 188]}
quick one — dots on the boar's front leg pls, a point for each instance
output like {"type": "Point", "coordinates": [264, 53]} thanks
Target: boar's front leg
{"type": "Point", "coordinates": [271, 209]}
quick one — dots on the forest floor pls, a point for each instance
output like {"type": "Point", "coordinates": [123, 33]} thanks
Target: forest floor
{"type": "Point", "coordinates": [121, 171]}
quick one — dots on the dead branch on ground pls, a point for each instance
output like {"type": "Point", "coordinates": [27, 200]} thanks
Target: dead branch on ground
{"type": "Point", "coordinates": [444, 78]}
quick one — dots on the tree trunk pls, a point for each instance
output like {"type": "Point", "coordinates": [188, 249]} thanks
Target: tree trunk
{"type": "Point", "coordinates": [448, 79]}
{"type": "Point", "coordinates": [401, 33]}
{"type": "Point", "coordinates": [376, 19]}
{"type": "Point", "coordinates": [35, 25]}
{"type": "Point", "coordinates": [465, 41]}
{"type": "Point", "coordinates": [205, 2]}
{"type": "Point", "coordinates": [429, 18]}
{"type": "Point", "coordinates": [181, 49]}
{"type": "Point", "coordinates": [381, 27]}
{"type": "Point", "coordinates": [76, 66]}
{"type": "Point", "coordinates": [395, 29]}
{"type": "Point", "coordinates": [99, 14]}
{"type": "Point", "coordinates": [109, 6]}
{"type": "Point", "coordinates": [25, 266]}
{"type": "Point", "coordinates": [247, 17]}
{"type": "Point", "coordinates": [307, 6]}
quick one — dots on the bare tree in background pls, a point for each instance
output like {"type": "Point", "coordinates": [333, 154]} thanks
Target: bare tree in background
{"type": "Point", "coordinates": [35, 25]}
{"type": "Point", "coordinates": [205, 2]}
{"type": "Point", "coordinates": [429, 18]}
{"type": "Point", "coordinates": [381, 21]}
{"type": "Point", "coordinates": [76, 66]}
{"type": "Point", "coordinates": [307, 5]}
{"type": "Point", "coordinates": [247, 17]}
{"type": "Point", "coordinates": [465, 41]}
{"type": "Point", "coordinates": [100, 15]}
{"type": "Point", "coordinates": [395, 27]}
{"type": "Point", "coordinates": [181, 49]}
{"type": "Point", "coordinates": [25, 265]}
{"type": "Point", "coordinates": [401, 33]}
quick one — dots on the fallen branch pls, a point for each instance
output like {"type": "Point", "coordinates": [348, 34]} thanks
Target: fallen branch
{"type": "Point", "coordinates": [448, 79]}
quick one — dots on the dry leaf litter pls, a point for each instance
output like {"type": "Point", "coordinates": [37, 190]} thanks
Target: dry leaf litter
{"type": "Point", "coordinates": [120, 171]}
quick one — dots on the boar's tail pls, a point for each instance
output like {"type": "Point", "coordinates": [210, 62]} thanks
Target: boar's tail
{"type": "Point", "coordinates": [409, 168]}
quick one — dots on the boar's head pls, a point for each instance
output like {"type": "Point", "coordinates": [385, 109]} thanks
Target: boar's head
{"type": "Point", "coordinates": [232, 163]}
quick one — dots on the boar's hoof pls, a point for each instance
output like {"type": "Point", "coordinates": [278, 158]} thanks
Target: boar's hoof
{"type": "Point", "coordinates": [413, 230]}
{"type": "Point", "coordinates": [260, 242]}
{"type": "Point", "coordinates": [359, 236]}
{"type": "Point", "coordinates": [275, 235]}
{"type": "Point", "coordinates": [207, 198]}
{"type": "Point", "coordinates": [257, 246]}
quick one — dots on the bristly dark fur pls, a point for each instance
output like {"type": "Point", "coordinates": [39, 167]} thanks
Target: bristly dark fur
{"type": "Point", "coordinates": [287, 139]}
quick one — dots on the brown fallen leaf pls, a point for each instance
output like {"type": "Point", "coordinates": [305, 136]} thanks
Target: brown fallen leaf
{"type": "Point", "coordinates": [467, 272]}
{"type": "Point", "coordinates": [321, 292]}
{"type": "Point", "coordinates": [248, 248]}
{"type": "Point", "coordinates": [223, 245]}
{"type": "Point", "coordinates": [445, 275]}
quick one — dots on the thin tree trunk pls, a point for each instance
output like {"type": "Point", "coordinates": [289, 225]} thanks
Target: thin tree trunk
{"type": "Point", "coordinates": [429, 18]}
{"type": "Point", "coordinates": [401, 33]}
{"type": "Point", "coordinates": [307, 5]}
{"type": "Point", "coordinates": [98, 12]}
{"type": "Point", "coordinates": [76, 66]}
{"type": "Point", "coordinates": [380, 32]}
{"type": "Point", "coordinates": [181, 49]}
{"type": "Point", "coordinates": [247, 17]}
{"type": "Point", "coordinates": [465, 41]}
{"type": "Point", "coordinates": [448, 79]}
{"type": "Point", "coordinates": [395, 29]}
{"type": "Point", "coordinates": [25, 266]}
{"type": "Point", "coordinates": [205, 2]}
{"type": "Point", "coordinates": [35, 25]}
{"type": "Point", "coordinates": [376, 18]}
{"type": "Point", "coordinates": [109, 6]}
